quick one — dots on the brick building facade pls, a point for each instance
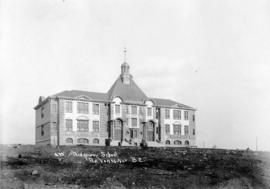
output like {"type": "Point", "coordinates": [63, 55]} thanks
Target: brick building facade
{"type": "Point", "coordinates": [122, 116]}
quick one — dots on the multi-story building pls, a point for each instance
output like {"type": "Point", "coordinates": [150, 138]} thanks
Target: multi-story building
{"type": "Point", "coordinates": [122, 116]}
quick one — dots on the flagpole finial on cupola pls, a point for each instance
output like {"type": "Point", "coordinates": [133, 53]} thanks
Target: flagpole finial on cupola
{"type": "Point", "coordinates": [125, 70]}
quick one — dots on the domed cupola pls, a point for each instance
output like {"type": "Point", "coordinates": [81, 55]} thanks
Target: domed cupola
{"type": "Point", "coordinates": [125, 75]}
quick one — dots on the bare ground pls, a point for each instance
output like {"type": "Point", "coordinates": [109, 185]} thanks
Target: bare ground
{"type": "Point", "coordinates": [28, 166]}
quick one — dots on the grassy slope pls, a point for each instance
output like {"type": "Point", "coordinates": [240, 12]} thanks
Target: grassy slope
{"type": "Point", "coordinates": [162, 168]}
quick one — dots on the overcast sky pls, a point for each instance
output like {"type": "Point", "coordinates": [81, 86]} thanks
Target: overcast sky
{"type": "Point", "coordinates": [211, 55]}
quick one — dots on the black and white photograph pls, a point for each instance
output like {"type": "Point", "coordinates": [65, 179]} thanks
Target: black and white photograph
{"type": "Point", "coordinates": [134, 94]}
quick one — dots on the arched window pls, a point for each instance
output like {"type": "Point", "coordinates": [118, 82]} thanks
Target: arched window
{"type": "Point", "coordinates": [177, 142]}
{"type": "Point", "coordinates": [118, 130]}
{"type": "Point", "coordinates": [150, 131]}
{"type": "Point", "coordinates": [168, 142]}
{"type": "Point", "coordinates": [96, 141]}
{"type": "Point", "coordinates": [187, 143]}
{"type": "Point", "coordinates": [83, 141]}
{"type": "Point", "coordinates": [69, 140]}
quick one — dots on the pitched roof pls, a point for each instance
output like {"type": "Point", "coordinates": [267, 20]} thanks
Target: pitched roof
{"type": "Point", "coordinates": [129, 93]}
{"type": "Point", "coordinates": [170, 103]}
{"type": "Point", "coordinates": [77, 93]}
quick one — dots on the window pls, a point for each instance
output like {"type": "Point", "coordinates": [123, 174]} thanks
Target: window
{"type": "Point", "coordinates": [150, 131]}
{"type": "Point", "coordinates": [133, 133]}
{"type": "Point", "coordinates": [42, 130]}
{"type": "Point", "coordinates": [69, 106]}
{"type": "Point", "coordinates": [96, 109]}
{"type": "Point", "coordinates": [125, 108]}
{"type": "Point", "coordinates": [187, 143]}
{"type": "Point", "coordinates": [42, 112]}
{"type": "Point", "coordinates": [193, 118]}
{"type": "Point", "coordinates": [134, 122]}
{"type": "Point", "coordinates": [176, 114]}
{"type": "Point", "coordinates": [69, 140]}
{"type": "Point", "coordinates": [141, 110]}
{"type": "Point", "coordinates": [167, 142]}
{"type": "Point", "coordinates": [186, 129]}
{"type": "Point", "coordinates": [193, 131]}
{"type": "Point", "coordinates": [83, 141]}
{"type": "Point", "coordinates": [149, 111]}
{"type": "Point", "coordinates": [186, 115]}
{"type": "Point", "coordinates": [118, 130]}
{"type": "Point", "coordinates": [69, 124]}
{"type": "Point", "coordinates": [82, 125]}
{"type": "Point", "coordinates": [82, 107]}
{"type": "Point", "coordinates": [96, 126]}
{"type": "Point", "coordinates": [167, 129]}
{"type": "Point", "coordinates": [134, 110]}
{"type": "Point", "coordinates": [117, 109]}
{"type": "Point", "coordinates": [177, 129]}
{"type": "Point", "coordinates": [95, 141]}
{"type": "Point", "coordinates": [167, 114]}
{"type": "Point", "coordinates": [177, 142]}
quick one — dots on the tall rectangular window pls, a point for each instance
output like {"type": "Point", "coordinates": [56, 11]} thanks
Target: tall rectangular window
{"type": "Point", "coordinates": [186, 129]}
{"type": "Point", "coordinates": [177, 129]}
{"type": "Point", "coordinates": [134, 122]}
{"type": "Point", "coordinates": [193, 118]}
{"type": "Point", "coordinates": [69, 106]}
{"type": "Point", "coordinates": [82, 125]}
{"type": "Point", "coordinates": [117, 109]}
{"type": "Point", "coordinates": [149, 111]}
{"type": "Point", "coordinates": [96, 126]}
{"type": "Point", "coordinates": [167, 129]}
{"type": "Point", "coordinates": [133, 133]}
{"type": "Point", "coordinates": [186, 115]}
{"type": "Point", "coordinates": [141, 110]}
{"type": "Point", "coordinates": [42, 130]}
{"type": "Point", "coordinates": [134, 110]}
{"type": "Point", "coordinates": [96, 109]}
{"type": "Point", "coordinates": [176, 114]}
{"type": "Point", "coordinates": [69, 124]}
{"type": "Point", "coordinates": [42, 112]}
{"type": "Point", "coordinates": [82, 107]}
{"type": "Point", "coordinates": [167, 113]}
{"type": "Point", "coordinates": [125, 108]}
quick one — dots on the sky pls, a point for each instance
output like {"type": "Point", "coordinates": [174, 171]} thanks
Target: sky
{"type": "Point", "coordinates": [211, 55]}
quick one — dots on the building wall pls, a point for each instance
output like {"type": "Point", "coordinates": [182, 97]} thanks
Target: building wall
{"type": "Point", "coordinates": [43, 121]}
{"type": "Point", "coordinates": [183, 137]}
{"type": "Point", "coordinates": [74, 116]}
{"type": "Point", "coordinates": [54, 116]}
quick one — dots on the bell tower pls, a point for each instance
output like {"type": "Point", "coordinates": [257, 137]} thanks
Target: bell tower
{"type": "Point", "coordinates": [125, 75]}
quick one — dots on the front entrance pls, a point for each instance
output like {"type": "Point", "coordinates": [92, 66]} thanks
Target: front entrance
{"type": "Point", "coordinates": [118, 130]}
{"type": "Point", "coordinates": [150, 131]}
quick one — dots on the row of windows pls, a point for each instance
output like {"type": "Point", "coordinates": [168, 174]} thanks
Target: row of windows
{"type": "Point", "coordinates": [177, 142]}
{"type": "Point", "coordinates": [177, 129]}
{"type": "Point", "coordinates": [82, 141]}
{"type": "Point", "coordinates": [176, 114]}
{"type": "Point", "coordinates": [134, 110]}
{"type": "Point", "coordinates": [82, 125]}
{"type": "Point", "coordinates": [82, 107]}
